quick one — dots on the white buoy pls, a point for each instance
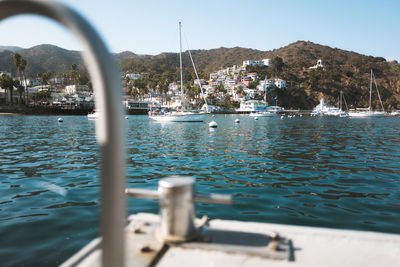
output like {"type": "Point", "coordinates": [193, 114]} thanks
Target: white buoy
{"type": "Point", "coordinates": [126, 117]}
{"type": "Point", "coordinates": [237, 121]}
{"type": "Point", "coordinates": [301, 115]}
{"type": "Point", "coordinates": [213, 124]}
{"type": "Point", "coordinates": [282, 116]}
{"type": "Point", "coordinates": [256, 118]}
{"type": "Point", "coordinates": [60, 120]}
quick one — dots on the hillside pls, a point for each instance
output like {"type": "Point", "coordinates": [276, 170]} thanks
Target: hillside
{"type": "Point", "coordinates": [344, 70]}
{"type": "Point", "coordinates": [10, 48]}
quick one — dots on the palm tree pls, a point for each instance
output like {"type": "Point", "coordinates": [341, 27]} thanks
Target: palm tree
{"type": "Point", "coordinates": [20, 90]}
{"type": "Point", "coordinates": [73, 74]}
{"type": "Point", "coordinates": [141, 85]}
{"type": "Point", "coordinates": [20, 64]}
{"type": "Point", "coordinates": [22, 67]}
{"type": "Point", "coordinates": [7, 83]}
{"type": "Point", "coordinates": [46, 77]}
{"type": "Point", "coordinates": [17, 62]}
{"type": "Point", "coordinates": [163, 86]}
{"type": "Point", "coordinates": [39, 76]}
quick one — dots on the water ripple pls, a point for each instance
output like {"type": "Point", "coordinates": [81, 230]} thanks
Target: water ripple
{"type": "Point", "coordinates": [327, 172]}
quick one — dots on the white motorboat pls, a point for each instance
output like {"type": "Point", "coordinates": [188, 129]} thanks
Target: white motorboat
{"type": "Point", "coordinates": [275, 109]}
{"type": "Point", "coordinates": [184, 116]}
{"type": "Point", "coordinates": [94, 115]}
{"type": "Point", "coordinates": [324, 109]}
{"type": "Point", "coordinates": [395, 113]}
{"type": "Point", "coordinates": [262, 114]}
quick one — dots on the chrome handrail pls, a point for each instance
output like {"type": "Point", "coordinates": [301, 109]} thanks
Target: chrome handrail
{"type": "Point", "coordinates": [109, 126]}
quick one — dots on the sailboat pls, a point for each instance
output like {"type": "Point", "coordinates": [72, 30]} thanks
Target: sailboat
{"type": "Point", "coordinates": [370, 112]}
{"type": "Point", "coordinates": [183, 115]}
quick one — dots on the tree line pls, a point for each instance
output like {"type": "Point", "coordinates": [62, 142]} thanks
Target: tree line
{"type": "Point", "coordinates": [9, 83]}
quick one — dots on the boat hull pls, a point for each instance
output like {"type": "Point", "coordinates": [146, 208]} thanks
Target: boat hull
{"type": "Point", "coordinates": [367, 114]}
{"type": "Point", "coordinates": [192, 117]}
{"type": "Point", "coordinates": [262, 114]}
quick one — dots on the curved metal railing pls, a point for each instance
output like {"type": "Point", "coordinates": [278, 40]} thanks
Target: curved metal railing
{"type": "Point", "coordinates": [109, 126]}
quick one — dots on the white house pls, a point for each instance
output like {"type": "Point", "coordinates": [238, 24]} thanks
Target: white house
{"type": "Point", "coordinates": [268, 84]}
{"type": "Point", "coordinates": [134, 76]}
{"type": "Point", "coordinates": [319, 64]}
{"type": "Point", "coordinates": [280, 83]}
{"type": "Point", "coordinates": [31, 82]}
{"type": "Point", "coordinates": [253, 63]}
{"type": "Point", "coordinates": [221, 72]}
{"type": "Point", "coordinates": [267, 62]}
{"type": "Point", "coordinates": [73, 89]}
{"type": "Point", "coordinates": [264, 62]}
{"type": "Point", "coordinates": [57, 80]}
{"type": "Point", "coordinates": [198, 82]}
{"type": "Point", "coordinates": [213, 75]}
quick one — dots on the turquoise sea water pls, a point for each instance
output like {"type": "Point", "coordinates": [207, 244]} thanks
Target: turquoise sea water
{"type": "Point", "coordinates": [318, 171]}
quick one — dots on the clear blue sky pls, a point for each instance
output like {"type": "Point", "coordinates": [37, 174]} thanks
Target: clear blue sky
{"type": "Point", "coordinates": [150, 27]}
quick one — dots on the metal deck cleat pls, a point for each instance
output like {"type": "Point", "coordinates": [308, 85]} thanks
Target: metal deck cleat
{"type": "Point", "coordinates": [177, 211]}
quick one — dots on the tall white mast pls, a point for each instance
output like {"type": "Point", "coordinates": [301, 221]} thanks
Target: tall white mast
{"type": "Point", "coordinates": [197, 76]}
{"type": "Point", "coordinates": [265, 89]}
{"type": "Point", "coordinates": [180, 66]}
{"type": "Point", "coordinates": [370, 93]}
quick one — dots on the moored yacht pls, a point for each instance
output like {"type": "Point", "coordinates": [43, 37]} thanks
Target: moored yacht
{"type": "Point", "coordinates": [325, 109]}
{"type": "Point", "coordinates": [369, 112]}
{"type": "Point", "coordinates": [183, 115]}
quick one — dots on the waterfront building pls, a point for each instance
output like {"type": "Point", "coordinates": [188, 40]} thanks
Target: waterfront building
{"type": "Point", "coordinates": [251, 106]}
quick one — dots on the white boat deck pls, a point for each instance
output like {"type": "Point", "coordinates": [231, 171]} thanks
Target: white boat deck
{"type": "Point", "coordinates": [310, 246]}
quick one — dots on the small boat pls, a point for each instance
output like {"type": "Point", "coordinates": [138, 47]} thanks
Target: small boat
{"type": "Point", "coordinates": [324, 109]}
{"type": "Point", "coordinates": [183, 116]}
{"type": "Point", "coordinates": [394, 113]}
{"type": "Point", "coordinates": [262, 114]}
{"type": "Point", "coordinates": [94, 115]}
{"type": "Point", "coordinates": [369, 112]}
{"type": "Point", "coordinates": [275, 109]}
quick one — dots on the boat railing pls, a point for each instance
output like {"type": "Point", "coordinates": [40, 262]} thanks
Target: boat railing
{"type": "Point", "coordinates": [109, 127]}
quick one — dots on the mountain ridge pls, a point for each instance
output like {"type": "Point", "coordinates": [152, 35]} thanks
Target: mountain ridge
{"type": "Point", "coordinates": [343, 69]}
